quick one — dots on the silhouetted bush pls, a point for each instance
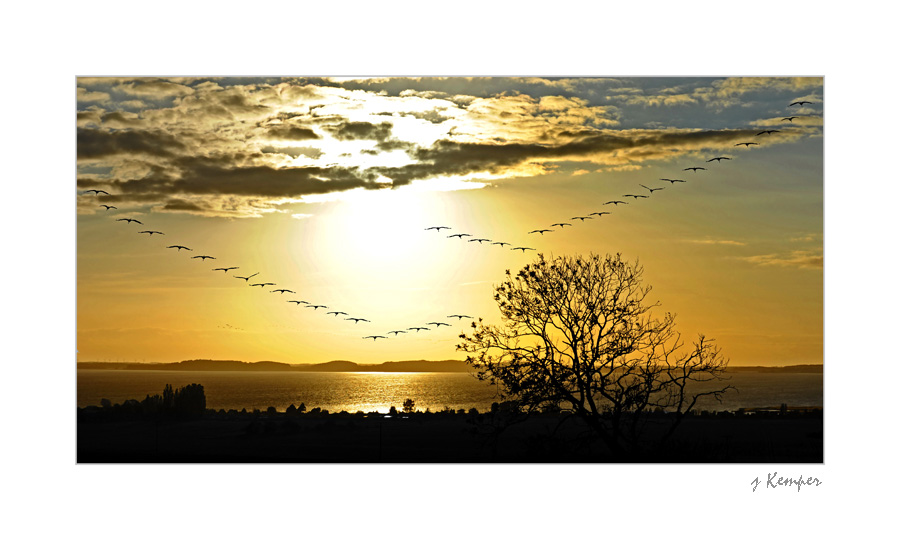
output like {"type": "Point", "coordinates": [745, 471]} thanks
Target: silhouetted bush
{"type": "Point", "coordinates": [409, 406]}
{"type": "Point", "coordinates": [271, 410]}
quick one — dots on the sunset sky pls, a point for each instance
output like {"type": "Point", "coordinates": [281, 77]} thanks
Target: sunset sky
{"type": "Point", "coordinates": [326, 186]}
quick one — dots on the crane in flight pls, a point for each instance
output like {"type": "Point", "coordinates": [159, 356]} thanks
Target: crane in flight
{"type": "Point", "coordinates": [226, 269]}
{"type": "Point", "coordinates": [459, 235]}
{"type": "Point", "coordinates": [336, 313]}
{"type": "Point", "coordinates": [695, 169]}
{"type": "Point", "coordinates": [801, 103]}
{"type": "Point", "coordinates": [672, 180]}
{"type": "Point", "coordinates": [717, 159]}
{"type": "Point", "coordinates": [374, 337]}
{"type": "Point", "coordinates": [480, 240]}
{"type": "Point", "coordinates": [523, 249]}
{"type": "Point", "coordinates": [417, 328]}
{"type": "Point", "coordinates": [598, 214]}
{"type": "Point", "coordinates": [459, 317]}
{"type": "Point", "coordinates": [317, 306]}
{"type": "Point", "coordinates": [636, 196]}
{"type": "Point", "coordinates": [202, 257]}
{"type": "Point", "coordinates": [151, 233]}
{"type": "Point", "coordinates": [561, 225]}
{"type": "Point", "coordinates": [246, 278]}
{"type": "Point", "coordinates": [542, 231]}
{"type": "Point", "coordinates": [298, 302]}
{"type": "Point", "coordinates": [108, 206]}
{"type": "Point", "coordinates": [789, 118]}
{"type": "Point", "coordinates": [500, 243]}
{"type": "Point", "coordinates": [179, 248]}
{"type": "Point", "coordinates": [395, 332]}
{"type": "Point", "coordinates": [437, 228]}
{"type": "Point", "coordinates": [129, 220]}
{"type": "Point", "coordinates": [282, 291]}
{"type": "Point", "coordinates": [356, 320]}
{"type": "Point", "coordinates": [96, 191]}
{"type": "Point", "coordinates": [651, 190]}
{"type": "Point", "coordinates": [260, 284]}
{"type": "Point", "coordinates": [582, 218]}
{"type": "Point", "coordinates": [768, 132]}
{"type": "Point", "coordinates": [437, 324]}
{"type": "Point", "coordinates": [747, 144]}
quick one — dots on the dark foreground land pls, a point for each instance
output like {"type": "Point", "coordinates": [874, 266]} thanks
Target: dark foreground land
{"type": "Point", "coordinates": [794, 437]}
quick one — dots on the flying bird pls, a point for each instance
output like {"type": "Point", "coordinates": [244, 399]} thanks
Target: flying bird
{"type": "Point", "coordinates": [500, 243]}
{"type": "Point", "coordinates": [437, 324]}
{"type": "Point", "coordinates": [226, 269]}
{"type": "Point", "coordinates": [651, 189]}
{"type": "Point", "coordinates": [395, 332]}
{"type": "Point", "coordinates": [151, 233]}
{"type": "Point", "coordinates": [789, 119]}
{"type": "Point", "coordinates": [598, 214]}
{"type": "Point", "coordinates": [202, 257]}
{"type": "Point", "coordinates": [282, 291]}
{"type": "Point", "coordinates": [246, 278]}
{"type": "Point", "coordinates": [717, 159]}
{"type": "Point", "coordinates": [695, 169]}
{"type": "Point", "coordinates": [542, 231]}
{"type": "Point", "coordinates": [523, 249]}
{"type": "Point", "coordinates": [336, 313]}
{"type": "Point", "coordinates": [768, 132]}
{"type": "Point", "coordinates": [480, 240]}
{"type": "Point", "coordinates": [356, 320]}
{"type": "Point", "coordinates": [317, 306]}
{"type": "Point", "coordinates": [417, 328]}
{"type": "Point", "coordinates": [437, 228]}
{"type": "Point", "coordinates": [636, 196]}
{"type": "Point", "coordinates": [108, 206]}
{"type": "Point", "coordinates": [129, 220]}
{"type": "Point", "coordinates": [801, 103]}
{"type": "Point", "coordinates": [374, 337]}
{"type": "Point", "coordinates": [459, 235]}
{"type": "Point", "coordinates": [672, 180]}
{"type": "Point", "coordinates": [179, 248]}
{"type": "Point", "coordinates": [561, 225]}
{"type": "Point", "coordinates": [747, 144]}
{"type": "Point", "coordinates": [582, 218]}
{"type": "Point", "coordinates": [617, 203]}
{"type": "Point", "coordinates": [97, 191]}
{"type": "Point", "coordinates": [459, 317]}
{"type": "Point", "coordinates": [298, 302]}
{"type": "Point", "coordinates": [260, 284]}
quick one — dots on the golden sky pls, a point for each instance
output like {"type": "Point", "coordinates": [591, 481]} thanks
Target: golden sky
{"type": "Point", "coordinates": [326, 186]}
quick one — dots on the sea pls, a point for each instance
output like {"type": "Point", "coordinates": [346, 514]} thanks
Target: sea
{"type": "Point", "coordinates": [377, 391]}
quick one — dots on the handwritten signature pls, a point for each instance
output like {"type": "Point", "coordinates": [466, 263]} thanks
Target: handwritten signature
{"type": "Point", "coordinates": [775, 481]}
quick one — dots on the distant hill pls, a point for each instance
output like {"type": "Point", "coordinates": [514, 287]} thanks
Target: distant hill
{"type": "Point", "coordinates": [801, 368]}
{"type": "Point", "coordinates": [419, 366]}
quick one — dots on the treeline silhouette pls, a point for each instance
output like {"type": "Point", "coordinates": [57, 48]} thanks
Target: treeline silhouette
{"type": "Point", "coordinates": [185, 402]}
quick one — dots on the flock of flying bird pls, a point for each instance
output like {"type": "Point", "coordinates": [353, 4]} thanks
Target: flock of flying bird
{"type": "Point", "coordinates": [438, 228]}
{"type": "Point", "coordinates": [263, 284]}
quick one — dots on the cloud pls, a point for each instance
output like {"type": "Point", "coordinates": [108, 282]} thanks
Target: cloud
{"type": "Point", "coordinates": [708, 241]}
{"type": "Point", "coordinates": [799, 259]}
{"type": "Point", "coordinates": [94, 144]}
{"type": "Point", "coordinates": [291, 133]}
{"type": "Point", "coordinates": [154, 89]}
{"type": "Point", "coordinates": [84, 95]}
{"type": "Point", "coordinates": [351, 131]}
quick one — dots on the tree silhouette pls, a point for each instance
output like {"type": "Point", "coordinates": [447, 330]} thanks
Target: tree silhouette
{"type": "Point", "coordinates": [409, 406]}
{"type": "Point", "coordinates": [578, 334]}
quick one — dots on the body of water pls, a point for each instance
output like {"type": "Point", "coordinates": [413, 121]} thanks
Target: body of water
{"type": "Point", "coordinates": [368, 392]}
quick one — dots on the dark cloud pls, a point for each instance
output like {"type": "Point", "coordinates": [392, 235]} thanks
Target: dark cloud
{"type": "Point", "coordinates": [349, 131]}
{"type": "Point", "coordinates": [293, 151]}
{"type": "Point", "coordinates": [93, 144]}
{"type": "Point", "coordinates": [180, 205]}
{"type": "Point", "coordinates": [291, 133]}
{"type": "Point", "coordinates": [453, 158]}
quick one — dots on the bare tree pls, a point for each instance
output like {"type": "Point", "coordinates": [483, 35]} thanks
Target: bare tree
{"type": "Point", "coordinates": [578, 334]}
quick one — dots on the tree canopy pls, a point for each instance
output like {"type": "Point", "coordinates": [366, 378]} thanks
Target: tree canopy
{"type": "Point", "coordinates": [578, 333]}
